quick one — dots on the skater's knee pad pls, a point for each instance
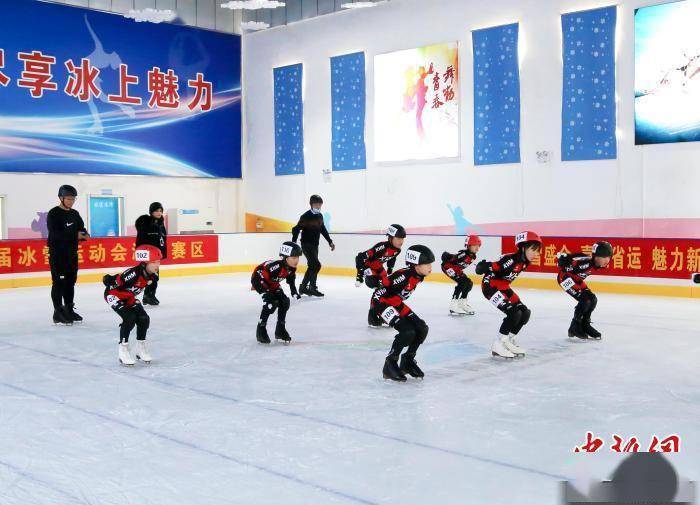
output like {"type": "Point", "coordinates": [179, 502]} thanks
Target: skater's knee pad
{"type": "Point", "coordinates": [129, 318]}
{"type": "Point", "coordinates": [284, 303]}
{"type": "Point", "coordinates": [406, 337]}
{"type": "Point", "coordinates": [421, 330]}
{"type": "Point", "coordinates": [513, 319]}
{"type": "Point", "coordinates": [143, 320]}
{"type": "Point", "coordinates": [594, 301]}
{"type": "Point", "coordinates": [525, 315]}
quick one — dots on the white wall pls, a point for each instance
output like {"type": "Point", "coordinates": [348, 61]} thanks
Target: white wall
{"type": "Point", "coordinates": [638, 194]}
{"type": "Point", "coordinates": [27, 194]}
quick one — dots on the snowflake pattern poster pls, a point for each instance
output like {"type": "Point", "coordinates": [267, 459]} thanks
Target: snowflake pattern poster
{"type": "Point", "coordinates": [416, 103]}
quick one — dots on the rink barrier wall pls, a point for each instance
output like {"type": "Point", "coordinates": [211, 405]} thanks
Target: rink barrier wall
{"type": "Point", "coordinates": [241, 252]}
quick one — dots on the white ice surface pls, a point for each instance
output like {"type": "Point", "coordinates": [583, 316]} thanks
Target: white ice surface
{"type": "Point", "coordinates": [219, 419]}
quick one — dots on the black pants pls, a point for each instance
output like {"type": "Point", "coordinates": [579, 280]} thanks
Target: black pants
{"type": "Point", "coordinates": [313, 265]}
{"type": "Point", "coordinates": [505, 300]}
{"type": "Point", "coordinates": [412, 332]}
{"type": "Point", "coordinates": [274, 301]}
{"type": "Point", "coordinates": [132, 316]}
{"type": "Point", "coordinates": [150, 289]}
{"type": "Point", "coordinates": [64, 275]}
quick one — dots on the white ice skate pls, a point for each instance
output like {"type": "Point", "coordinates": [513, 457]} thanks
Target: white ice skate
{"type": "Point", "coordinates": [499, 348]}
{"type": "Point", "coordinates": [142, 351]}
{"type": "Point", "coordinates": [125, 357]}
{"type": "Point", "coordinates": [456, 308]}
{"type": "Point", "coordinates": [466, 307]}
{"type": "Point", "coordinates": [513, 347]}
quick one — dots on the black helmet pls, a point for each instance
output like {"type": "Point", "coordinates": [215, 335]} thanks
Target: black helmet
{"type": "Point", "coordinates": [315, 199]}
{"type": "Point", "coordinates": [67, 190]}
{"type": "Point", "coordinates": [419, 255]}
{"type": "Point", "coordinates": [396, 230]}
{"type": "Point", "coordinates": [154, 207]}
{"type": "Point", "coordinates": [290, 249]}
{"type": "Point", "coordinates": [602, 249]}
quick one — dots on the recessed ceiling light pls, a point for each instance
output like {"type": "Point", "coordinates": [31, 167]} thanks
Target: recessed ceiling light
{"type": "Point", "coordinates": [151, 15]}
{"type": "Point", "coordinates": [252, 4]}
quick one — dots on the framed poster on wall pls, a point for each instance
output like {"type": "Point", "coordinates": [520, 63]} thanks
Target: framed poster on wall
{"type": "Point", "coordinates": [667, 73]}
{"type": "Point", "coordinates": [416, 103]}
{"type": "Point", "coordinates": [105, 216]}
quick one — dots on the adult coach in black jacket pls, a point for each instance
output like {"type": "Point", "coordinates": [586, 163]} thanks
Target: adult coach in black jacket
{"type": "Point", "coordinates": [311, 227]}
{"type": "Point", "coordinates": [150, 230]}
{"type": "Point", "coordinates": [66, 228]}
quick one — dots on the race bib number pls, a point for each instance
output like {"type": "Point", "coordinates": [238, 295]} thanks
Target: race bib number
{"type": "Point", "coordinates": [450, 272]}
{"type": "Point", "coordinates": [412, 257]}
{"type": "Point", "coordinates": [498, 299]}
{"type": "Point", "coordinates": [142, 256]}
{"type": "Point", "coordinates": [112, 300]}
{"type": "Point", "coordinates": [368, 272]}
{"type": "Point", "coordinates": [389, 314]}
{"type": "Point", "coordinates": [567, 283]}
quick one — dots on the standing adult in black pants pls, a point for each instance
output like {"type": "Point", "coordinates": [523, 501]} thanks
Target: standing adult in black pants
{"type": "Point", "coordinates": [66, 229]}
{"type": "Point", "coordinates": [150, 230]}
{"type": "Point", "coordinates": [311, 227]}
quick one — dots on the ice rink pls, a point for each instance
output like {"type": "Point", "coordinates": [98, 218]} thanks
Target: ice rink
{"type": "Point", "coordinates": [219, 419]}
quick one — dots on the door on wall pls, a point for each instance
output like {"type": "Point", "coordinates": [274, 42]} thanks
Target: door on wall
{"type": "Point", "coordinates": [105, 216]}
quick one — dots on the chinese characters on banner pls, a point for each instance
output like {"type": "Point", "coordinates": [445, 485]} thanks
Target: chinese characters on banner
{"type": "Point", "coordinates": [19, 256]}
{"type": "Point", "coordinates": [83, 82]}
{"type": "Point", "coordinates": [632, 257]}
{"type": "Point", "coordinates": [671, 443]}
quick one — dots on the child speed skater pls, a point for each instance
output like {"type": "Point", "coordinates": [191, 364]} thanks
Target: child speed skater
{"type": "Point", "coordinates": [120, 293]}
{"type": "Point", "coordinates": [388, 304]}
{"type": "Point", "coordinates": [266, 281]}
{"type": "Point", "coordinates": [498, 276]}
{"type": "Point", "coordinates": [370, 265]}
{"type": "Point", "coordinates": [454, 266]}
{"type": "Point", "coordinates": [573, 270]}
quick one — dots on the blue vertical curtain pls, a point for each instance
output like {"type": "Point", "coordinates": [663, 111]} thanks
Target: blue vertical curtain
{"type": "Point", "coordinates": [348, 111]}
{"type": "Point", "coordinates": [496, 95]}
{"type": "Point", "coordinates": [289, 114]}
{"type": "Point", "coordinates": [588, 99]}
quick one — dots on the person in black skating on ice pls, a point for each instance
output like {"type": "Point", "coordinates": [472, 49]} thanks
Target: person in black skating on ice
{"type": "Point", "coordinates": [311, 227]}
{"type": "Point", "coordinates": [266, 281]}
{"type": "Point", "coordinates": [388, 304]}
{"type": "Point", "coordinates": [573, 270]}
{"type": "Point", "coordinates": [370, 265]}
{"type": "Point", "coordinates": [150, 230]}
{"type": "Point", "coordinates": [454, 266]}
{"type": "Point", "coordinates": [66, 228]}
{"type": "Point", "coordinates": [121, 293]}
{"type": "Point", "coordinates": [495, 285]}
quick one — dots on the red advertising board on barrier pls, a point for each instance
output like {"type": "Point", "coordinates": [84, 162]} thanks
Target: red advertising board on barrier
{"type": "Point", "coordinates": [632, 257]}
{"type": "Point", "coordinates": [19, 256]}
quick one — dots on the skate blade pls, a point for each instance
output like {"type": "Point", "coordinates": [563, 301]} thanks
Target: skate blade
{"type": "Point", "coordinates": [495, 354]}
{"type": "Point", "coordinates": [374, 327]}
{"type": "Point", "coordinates": [148, 362]}
{"type": "Point", "coordinates": [285, 342]}
{"type": "Point", "coordinates": [263, 343]}
{"type": "Point", "coordinates": [126, 364]}
{"type": "Point", "coordinates": [386, 377]}
{"type": "Point", "coordinates": [458, 313]}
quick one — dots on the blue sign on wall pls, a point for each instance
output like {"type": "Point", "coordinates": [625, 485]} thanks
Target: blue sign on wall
{"type": "Point", "coordinates": [588, 98]}
{"type": "Point", "coordinates": [289, 120]}
{"type": "Point", "coordinates": [83, 91]}
{"type": "Point", "coordinates": [348, 102]}
{"type": "Point", "coordinates": [104, 216]}
{"type": "Point", "coordinates": [496, 95]}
